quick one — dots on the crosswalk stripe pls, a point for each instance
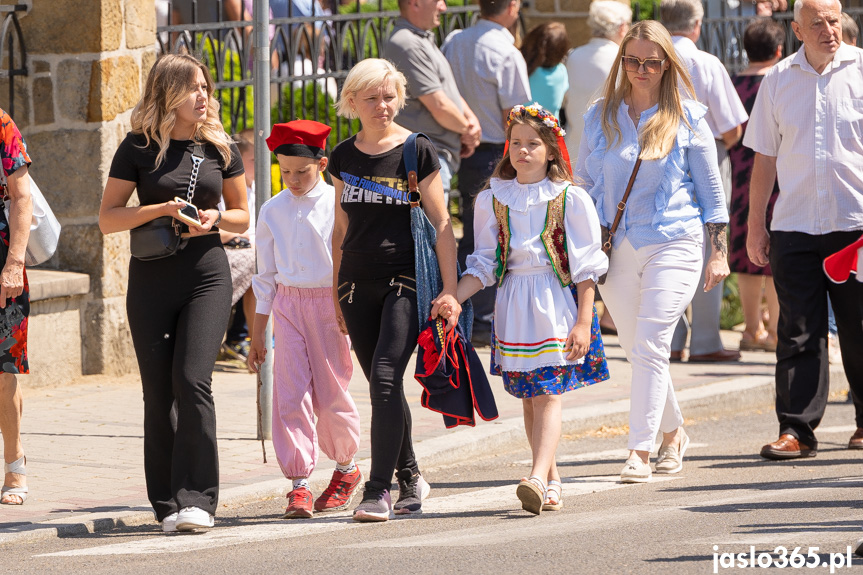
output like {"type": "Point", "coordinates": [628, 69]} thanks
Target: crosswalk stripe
{"type": "Point", "coordinates": [608, 455]}
{"type": "Point", "coordinates": [556, 525]}
{"type": "Point", "coordinates": [502, 497]}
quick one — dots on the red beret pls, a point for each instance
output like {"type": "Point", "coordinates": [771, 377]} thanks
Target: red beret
{"type": "Point", "coordinates": [304, 138]}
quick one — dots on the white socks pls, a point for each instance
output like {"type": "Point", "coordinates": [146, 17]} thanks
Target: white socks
{"type": "Point", "coordinates": [303, 482]}
{"type": "Point", "coordinates": [349, 468]}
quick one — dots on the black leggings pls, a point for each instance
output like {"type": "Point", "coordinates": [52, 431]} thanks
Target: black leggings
{"type": "Point", "coordinates": [381, 317]}
{"type": "Point", "coordinates": [178, 310]}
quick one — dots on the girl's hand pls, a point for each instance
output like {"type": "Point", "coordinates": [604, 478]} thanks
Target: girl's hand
{"type": "Point", "coordinates": [257, 355]}
{"type": "Point", "coordinates": [577, 342]}
{"type": "Point", "coordinates": [446, 307]}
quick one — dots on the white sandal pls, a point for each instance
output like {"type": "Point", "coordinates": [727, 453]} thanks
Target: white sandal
{"type": "Point", "coordinates": [531, 493]}
{"type": "Point", "coordinates": [17, 467]}
{"type": "Point", "coordinates": [553, 496]}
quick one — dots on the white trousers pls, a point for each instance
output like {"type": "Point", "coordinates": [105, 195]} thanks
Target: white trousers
{"type": "Point", "coordinates": [647, 291]}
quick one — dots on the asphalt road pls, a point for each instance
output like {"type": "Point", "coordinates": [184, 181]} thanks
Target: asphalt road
{"type": "Point", "coordinates": [726, 501]}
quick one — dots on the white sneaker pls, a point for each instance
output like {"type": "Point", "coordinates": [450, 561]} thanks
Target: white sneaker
{"type": "Point", "coordinates": [192, 518]}
{"type": "Point", "coordinates": [670, 459]}
{"type": "Point", "coordinates": [169, 523]}
{"type": "Point", "coordinates": [635, 471]}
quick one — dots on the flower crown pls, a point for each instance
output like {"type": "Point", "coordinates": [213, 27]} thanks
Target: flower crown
{"type": "Point", "coordinates": [539, 113]}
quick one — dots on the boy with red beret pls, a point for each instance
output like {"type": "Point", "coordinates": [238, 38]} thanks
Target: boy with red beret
{"type": "Point", "coordinates": [312, 359]}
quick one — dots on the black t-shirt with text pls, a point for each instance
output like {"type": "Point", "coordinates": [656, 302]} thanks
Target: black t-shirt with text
{"type": "Point", "coordinates": [378, 241]}
{"type": "Point", "coordinates": [134, 163]}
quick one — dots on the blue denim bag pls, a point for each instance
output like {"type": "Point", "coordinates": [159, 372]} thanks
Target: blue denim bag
{"type": "Point", "coordinates": [429, 282]}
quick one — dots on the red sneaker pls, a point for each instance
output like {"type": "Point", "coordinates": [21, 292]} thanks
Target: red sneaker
{"type": "Point", "coordinates": [340, 491]}
{"type": "Point", "coordinates": [299, 504]}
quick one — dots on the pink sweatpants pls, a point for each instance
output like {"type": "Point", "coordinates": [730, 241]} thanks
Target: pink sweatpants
{"type": "Point", "coordinates": [311, 373]}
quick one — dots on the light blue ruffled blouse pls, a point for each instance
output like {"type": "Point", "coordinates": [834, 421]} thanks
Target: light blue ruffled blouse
{"type": "Point", "coordinates": [672, 197]}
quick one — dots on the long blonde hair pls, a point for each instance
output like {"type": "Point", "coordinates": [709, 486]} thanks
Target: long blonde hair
{"type": "Point", "coordinates": [656, 138]}
{"type": "Point", "coordinates": [168, 85]}
{"type": "Point", "coordinates": [557, 169]}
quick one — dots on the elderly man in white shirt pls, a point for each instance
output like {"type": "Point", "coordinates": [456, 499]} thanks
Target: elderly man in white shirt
{"type": "Point", "coordinates": [589, 65]}
{"type": "Point", "coordinates": [725, 116]}
{"type": "Point", "coordinates": [807, 129]}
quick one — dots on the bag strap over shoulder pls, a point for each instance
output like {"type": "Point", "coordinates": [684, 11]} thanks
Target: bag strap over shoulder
{"type": "Point", "coordinates": [197, 160]}
{"type": "Point", "coordinates": [621, 206]}
{"type": "Point", "coordinates": [411, 159]}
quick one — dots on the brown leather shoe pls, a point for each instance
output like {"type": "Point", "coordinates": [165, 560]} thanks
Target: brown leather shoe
{"type": "Point", "coordinates": [676, 357]}
{"type": "Point", "coordinates": [716, 356]}
{"type": "Point", "coordinates": [856, 441]}
{"type": "Point", "coordinates": [787, 447]}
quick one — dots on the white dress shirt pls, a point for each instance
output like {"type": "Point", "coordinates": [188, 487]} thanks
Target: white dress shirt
{"type": "Point", "coordinates": [713, 87]}
{"type": "Point", "coordinates": [588, 67]}
{"type": "Point", "coordinates": [813, 125]}
{"type": "Point", "coordinates": [294, 243]}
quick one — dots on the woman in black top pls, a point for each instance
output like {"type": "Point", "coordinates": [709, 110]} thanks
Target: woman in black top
{"type": "Point", "coordinates": [373, 270]}
{"type": "Point", "coordinates": [178, 306]}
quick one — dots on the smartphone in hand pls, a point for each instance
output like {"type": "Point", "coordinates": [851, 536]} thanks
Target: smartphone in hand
{"type": "Point", "coordinates": [188, 213]}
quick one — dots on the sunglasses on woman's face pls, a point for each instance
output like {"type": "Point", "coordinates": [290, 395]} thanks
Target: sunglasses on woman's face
{"type": "Point", "coordinates": [651, 65]}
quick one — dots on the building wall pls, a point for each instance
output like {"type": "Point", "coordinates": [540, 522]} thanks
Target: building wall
{"type": "Point", "coordinates": [87, 61]}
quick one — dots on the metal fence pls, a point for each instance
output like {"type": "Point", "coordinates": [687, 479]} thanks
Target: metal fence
{"type": "Point", "coordinates": [311, 56]}
{"type": "Point", "coordinates": [723, 26]}
{"type": "Point", "coordinates": [13, 52]}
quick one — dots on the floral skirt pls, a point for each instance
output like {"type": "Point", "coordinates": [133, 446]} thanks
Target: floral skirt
{"type": "Point", "coordinates": [13, 317]}
{"type": "Point", "coordinates": [557, 379]}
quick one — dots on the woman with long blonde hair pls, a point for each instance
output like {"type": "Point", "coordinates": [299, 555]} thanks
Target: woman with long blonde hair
{"type": "Point", "coordinates": [179, 298]}
{"type": "Point", "coordinates": [647, 130]}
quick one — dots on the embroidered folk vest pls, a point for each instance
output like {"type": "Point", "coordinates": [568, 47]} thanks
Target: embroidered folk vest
{"type": "Point", "coordinates": [553, 238]}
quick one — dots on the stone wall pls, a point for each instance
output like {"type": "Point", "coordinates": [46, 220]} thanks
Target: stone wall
{"type": "Point", "coordinates": [573, 14]}
{"type": "Point", "coordinates": [87, 62]}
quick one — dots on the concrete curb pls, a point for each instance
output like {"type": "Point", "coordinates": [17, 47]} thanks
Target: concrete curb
{"type": "Point", "coordinates": [723, 397]}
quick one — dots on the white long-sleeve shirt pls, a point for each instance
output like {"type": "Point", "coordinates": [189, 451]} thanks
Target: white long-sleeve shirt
{"type": "Point", "coordinates": [293, 243]}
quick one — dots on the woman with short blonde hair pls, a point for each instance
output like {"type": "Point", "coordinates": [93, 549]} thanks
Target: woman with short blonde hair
{"type": "Point", "coordinates": [178, 300]}
{"type": "Point", "coordinates": [374, 278]}
{"type": "Point", "coordinates": [370, 73]}
{"type": "Point", "coordinates": [645, 129]}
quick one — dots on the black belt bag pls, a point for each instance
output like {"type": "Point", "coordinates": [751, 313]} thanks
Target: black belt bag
{"type": "Point", "coordinates": [161, 238]}
{"type": "Point", "coordinates": [156, 239]}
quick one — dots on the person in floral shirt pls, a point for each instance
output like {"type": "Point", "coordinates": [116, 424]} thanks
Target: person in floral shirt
{"type": "Point", "coordinates": [14, 304]}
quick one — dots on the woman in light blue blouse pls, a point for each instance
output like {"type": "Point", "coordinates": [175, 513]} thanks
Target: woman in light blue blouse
{"type": "Point", "coordinates": [656, 255]}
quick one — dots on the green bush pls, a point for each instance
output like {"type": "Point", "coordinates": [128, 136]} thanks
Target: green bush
{"type": "Point", "coordinates": [731, 313]}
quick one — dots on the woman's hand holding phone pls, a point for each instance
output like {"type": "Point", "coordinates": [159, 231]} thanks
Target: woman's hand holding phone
{"type": "Point", "coordinates": [208, 218]}
{"type": "Point", "coordinates": [200, 222]}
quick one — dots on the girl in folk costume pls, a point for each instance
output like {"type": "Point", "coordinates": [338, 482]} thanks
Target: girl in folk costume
{"type": "Point", "coordinates": [538, 237]}
{"type": "Point", "coordinates": [312, 357]}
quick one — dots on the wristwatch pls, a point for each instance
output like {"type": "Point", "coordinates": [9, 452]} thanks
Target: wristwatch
{"type": "Point", "coordinates": [218, 219]}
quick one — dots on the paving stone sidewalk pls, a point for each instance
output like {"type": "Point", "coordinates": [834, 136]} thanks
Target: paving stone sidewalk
{"type": "Point", "coordinates": [84, 439]}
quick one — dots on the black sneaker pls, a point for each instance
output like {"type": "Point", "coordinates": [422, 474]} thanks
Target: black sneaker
{"type": "Point", "coordinates": [375, 505]}
{"type": "Point", "coordinates": [412, 490]}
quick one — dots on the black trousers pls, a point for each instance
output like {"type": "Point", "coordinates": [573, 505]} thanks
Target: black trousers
{"type": "Point", "coordinates": [473, 175]}
{"type": "Point", "coordinates": [802, 364]}
{"type": "Point", "coordinates": [178, 310]}
{"type": "Point", "coordinates": [381, 317]}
